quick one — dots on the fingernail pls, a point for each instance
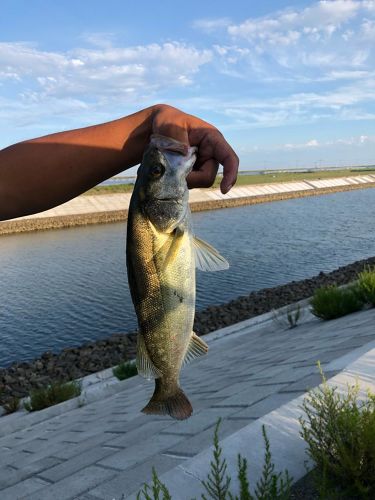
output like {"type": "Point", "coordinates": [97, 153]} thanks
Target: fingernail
{"type": "Point", "coordinates": [226, 189]}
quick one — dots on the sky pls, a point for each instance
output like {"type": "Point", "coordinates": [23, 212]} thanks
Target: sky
{"type": "Point", "coordinates": [290, 84]}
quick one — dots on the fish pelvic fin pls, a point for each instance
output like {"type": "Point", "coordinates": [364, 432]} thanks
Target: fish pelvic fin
{"type": "Point", "coordinates": [174, 248]}
{"type": "Point", "coordinates": [176, 405]}
{"type": "Point", "coordinates": [207, 258]}
{"type": "Point", "coordinates": [197, 347]}
{"type": "Point", "coordinates": [145, 366]}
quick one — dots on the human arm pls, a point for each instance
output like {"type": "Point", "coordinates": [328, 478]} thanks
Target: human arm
{"type": "Point", "coordinates": [41, 173]}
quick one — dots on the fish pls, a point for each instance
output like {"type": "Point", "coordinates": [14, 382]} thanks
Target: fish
{"type": "Point", "coordinates": [161, 256]}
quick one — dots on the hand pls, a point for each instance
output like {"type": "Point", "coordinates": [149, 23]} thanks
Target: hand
{"type": "Point", "coordinates": [213, 149]}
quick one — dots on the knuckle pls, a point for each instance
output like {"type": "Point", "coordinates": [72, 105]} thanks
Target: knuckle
{"type": "Point", "coordinates": [209, 180]}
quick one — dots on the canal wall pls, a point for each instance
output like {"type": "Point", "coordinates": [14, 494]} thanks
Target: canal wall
{"type": "Point", "coordinates": [114, 207]}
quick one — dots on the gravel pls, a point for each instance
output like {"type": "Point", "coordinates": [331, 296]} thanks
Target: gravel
{"type": "Point", "coordinates": [19, 378]}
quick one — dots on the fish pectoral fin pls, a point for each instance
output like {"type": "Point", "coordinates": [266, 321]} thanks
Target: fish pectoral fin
{"type": "Point", "coordinates": [197, 347]}
{"type": "Point", "coordinates": [174, 248]}
{"type": "Point", "coordinates": [207, 258]}
{"type": "Point", "coordinates": [145, 366]}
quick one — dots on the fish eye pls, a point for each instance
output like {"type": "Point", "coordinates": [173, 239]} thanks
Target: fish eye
{"type": "Point", "coordinates": [157, 170]}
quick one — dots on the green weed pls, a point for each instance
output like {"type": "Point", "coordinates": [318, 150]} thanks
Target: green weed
{"type": "Point", "coordinates": [331, 302]}
{"type": "Point", "coordinates": [55, 393]}
{"type": "Point", "coordinates": [340, 434]}
{"type": "Point", "coordinates": [289, 317]}
{"type": "Point", "coordinates": [366, 285]}
{"type": "Point", "coordinates": [12, 405]}
{"type": "Point", "coordinates": [271, 486]}
{"type": "Point", "coordinates": [125, 370]}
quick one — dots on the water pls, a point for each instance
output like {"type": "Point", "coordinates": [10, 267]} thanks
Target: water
{"type": "Point", "coordinates": [65, 287]}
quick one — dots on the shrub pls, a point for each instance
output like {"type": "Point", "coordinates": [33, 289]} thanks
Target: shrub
{"type": "Point", "coordinates": [366, 285]}
{"type": "Point", "coordinates": [125, 370]}
{"type": "Point", "coordinates": [340, 434]}
{"type": "Point", "coordinates": [55, 393]}
{"type": "Point", "coordinates": [271, 486]}
{"type": "Point", "coordinates": [331, 302]}
{"type": "Point", "coordinates": [12, 405]}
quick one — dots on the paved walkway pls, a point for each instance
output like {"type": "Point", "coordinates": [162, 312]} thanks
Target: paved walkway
{"type": "Point", "coordinates": [106, 449]}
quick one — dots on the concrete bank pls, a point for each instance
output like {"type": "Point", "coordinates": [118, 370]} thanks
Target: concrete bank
{"type": "Point", "coordinates": [114, 207]}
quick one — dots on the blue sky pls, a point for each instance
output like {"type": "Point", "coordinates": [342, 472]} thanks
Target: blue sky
{"type": "Point", "coordinates": [290, 84]}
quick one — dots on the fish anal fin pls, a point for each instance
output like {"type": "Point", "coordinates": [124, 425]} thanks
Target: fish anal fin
{"type": "Point", "coordinates": [197, 347]}
{"type": "Point", "coordinates": [207, 258]}
{"type": "Point", "coordinates": [145, 366]}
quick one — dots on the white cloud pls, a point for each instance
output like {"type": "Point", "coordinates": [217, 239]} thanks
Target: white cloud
{"type": "Point", "coordinates": [353, 101]}
{"type": "Point", "coordinates": [321, 19]}
{"type": "Point", "coordinates": [82, 86]}
{"type": "Point", "coordinates": [210, 25]}
{"type": "Point", "coordinates": [313, 143]}
{"type": "Point", "coordinates": [102, 71]}
{"type": "Point", "coordinates": [295, 66]}
{"type": "Point", "coordinates": [99, 39]}
{"type": "Point", "coordinates": [301, 44]}
{"type": "Point", "coordinates": [368, 29]}
{"type": "Point", "coordinates": [358, 141]}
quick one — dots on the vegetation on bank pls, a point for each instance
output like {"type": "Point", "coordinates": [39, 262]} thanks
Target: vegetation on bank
{"type": "Point", "coordinates": [253, 179]}
{"type": "Point", "coordinates": [366, 285]}
{"type": "Point", "coordinates": [288, 317]}
{"type": "Point", "coordinates": [125, 370]}
{"type": "Point", "coordinates": [52, 395]}
{"type": "Point", "coordinates": [340, 435]}
{"type": "Point", "coordinates": [271, 485]}
{"type": "Point", "coordinates": [296, 176]}
{"type": "Point", "coordinates": [330, 302]}
{"type": "Point", "coordinates": [116, 188]}
{"type": "Point", "coordinates": [12, 405]}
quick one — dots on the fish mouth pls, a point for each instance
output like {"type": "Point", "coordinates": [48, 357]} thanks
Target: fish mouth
{"type": "Point", "coordinates": [176, 200]}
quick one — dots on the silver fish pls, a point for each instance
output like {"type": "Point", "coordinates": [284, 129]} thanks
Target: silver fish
{"type": "Point", "coordinates": [162, 254]}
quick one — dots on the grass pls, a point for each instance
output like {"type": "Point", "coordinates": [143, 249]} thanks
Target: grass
{"type": "Point", "coordinates": [52, 395]}
{"type": "Point", "coordinates": [117, 188]}
{"type": "Point", "coordinates": [340, 434]}
{"type": "Point", "coordinates": [270, 486]}
{"type": "Point", "coordinates": [252, 179]}
{"type": "Point", "coordinates": [295, 176]}
{"type": "Point", "coordinates": [366, 285]}
{"type": "Point", "coordinates": [125, 370]}
{"type": "Point", "coordinates": [289, 317]}
{"type": "Point", "coordinates": [330, 302]}
{"type": "Point", "coordinates": [12, 405]}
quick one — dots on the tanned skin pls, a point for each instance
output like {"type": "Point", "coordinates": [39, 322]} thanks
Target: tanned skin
{"type": "Point", "coordinates": [39, 174]}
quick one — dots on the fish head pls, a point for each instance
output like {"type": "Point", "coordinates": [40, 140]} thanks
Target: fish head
{"type": "Point", "coordinates": [161, 182]}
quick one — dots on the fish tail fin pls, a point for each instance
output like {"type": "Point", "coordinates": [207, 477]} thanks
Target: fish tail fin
{"type": "Point", "coordinates": [176, 404]}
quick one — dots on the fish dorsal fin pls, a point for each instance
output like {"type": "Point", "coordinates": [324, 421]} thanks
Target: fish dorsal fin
{"type": "Point", "coordinates": [197, 347]}
{"type": "Point", "coordinates": [175, 247]}
{"type": "Point", "coordinates": [144, 364]}
{"type": "Point", "coordinates": [207, 258]}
